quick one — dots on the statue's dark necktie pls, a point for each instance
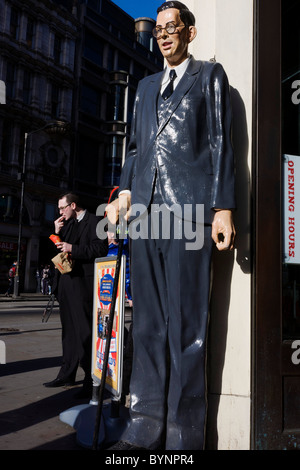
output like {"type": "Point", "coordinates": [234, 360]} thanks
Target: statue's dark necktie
{"type": "Point", "coordinates": [170, 88]}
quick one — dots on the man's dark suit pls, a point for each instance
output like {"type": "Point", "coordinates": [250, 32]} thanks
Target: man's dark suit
{"type": "Point", "coordinates": [75, 295]}
{"type": "Point", "coordinates": [180, 152]}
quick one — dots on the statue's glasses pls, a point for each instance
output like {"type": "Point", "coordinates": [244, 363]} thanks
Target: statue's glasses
{"type": "Point", "coordinates": [170, 28]}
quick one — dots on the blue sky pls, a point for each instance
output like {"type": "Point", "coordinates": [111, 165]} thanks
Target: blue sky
{"type": "Point", "coordinates": [138, 8]}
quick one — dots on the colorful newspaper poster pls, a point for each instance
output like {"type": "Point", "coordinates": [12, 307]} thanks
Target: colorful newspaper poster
{"type": "Point", "coordinates": [103, 288]}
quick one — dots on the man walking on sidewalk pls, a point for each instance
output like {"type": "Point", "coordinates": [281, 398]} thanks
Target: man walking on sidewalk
{"type": "Point", "coordinates": [77, 230]}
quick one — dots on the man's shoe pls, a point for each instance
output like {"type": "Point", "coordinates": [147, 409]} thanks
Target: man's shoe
{"type": "Point", "coordinates": [123, 445]}
{"type": "Point", "coordinates": [58, 383]}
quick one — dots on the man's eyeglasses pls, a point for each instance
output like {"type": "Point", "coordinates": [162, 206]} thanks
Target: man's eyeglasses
{"type": "Point", "coordinates": [64, 207]}
{"type": "Point", "coordinates": [170, 28]}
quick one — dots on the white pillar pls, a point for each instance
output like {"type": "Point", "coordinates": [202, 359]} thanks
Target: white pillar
{"type": "Point", "coordinates": [225, 31]}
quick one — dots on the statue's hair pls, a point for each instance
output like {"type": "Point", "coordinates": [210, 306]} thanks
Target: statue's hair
{"type": "Point", "coordinates": [185, 14]}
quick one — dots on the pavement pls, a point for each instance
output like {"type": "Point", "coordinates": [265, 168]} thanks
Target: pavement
{"type": "Point", "coordinates": [30, 412]}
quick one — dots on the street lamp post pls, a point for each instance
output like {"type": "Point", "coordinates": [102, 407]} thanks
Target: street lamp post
{"type": "Point", "coordinates": [52, 127]}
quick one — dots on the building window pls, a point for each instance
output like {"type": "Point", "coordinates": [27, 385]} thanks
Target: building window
{"type": "Point", "coordinates": [113, 161]}
{"type": "Point", "coordinates": [93, 49]}
{"type": "Point", "coordinates": [130, 106]}
{"type": "Point", "coordinates": [90, 100]}
{"type": "Point", "coordinates": [55, 101]}
{"type": "Point", "coordinates": [14, 23]}
{"type": "Point", "coordinates": [57, 49]}
{"type": "Point", "coordinates": [87, 167]}
{"type": "Point", "coordinates": [50, 212]}
{"type": "Point", "coordinates": [52, 157]}
{"type": "Point", "coordinates": [123, 62]}
{"type": "Point", "coordinates": [6, 141]}
{"type": "Point", "coordinates": [10, 80]}
{"type": "Point", "coordinates": [146, 39]}
{"type": "Point", "coordinates": [95, 4]}
{"type": "Point", "coordinates": [27, 87]}
{"type": "Point", "coordinates": [10, 208]}
{"type": "Point", "coordinates": [30, 32]}
{"type": "Point", "coordinates": [23, 130]}
{"type": "Point", "coordinates": [138, 71]}
{"type": "Point", "coordinates": [110, 59]}
{"type": "Point", "coordinates": [116, 103]}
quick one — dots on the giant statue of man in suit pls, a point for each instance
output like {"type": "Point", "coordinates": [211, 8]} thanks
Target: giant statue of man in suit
{"type": "Point", "coordinates": [180, 153]}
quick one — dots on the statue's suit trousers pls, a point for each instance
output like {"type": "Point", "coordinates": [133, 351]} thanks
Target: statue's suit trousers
{"type": "Point", "coordinates": [170, 318]}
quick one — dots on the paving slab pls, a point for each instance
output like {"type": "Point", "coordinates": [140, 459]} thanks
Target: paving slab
{"type": "Point", "coordinates": [29, 412]}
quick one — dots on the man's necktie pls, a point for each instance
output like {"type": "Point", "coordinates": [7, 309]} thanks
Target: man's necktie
{"type": "Point", "coordinates": [169, 89]}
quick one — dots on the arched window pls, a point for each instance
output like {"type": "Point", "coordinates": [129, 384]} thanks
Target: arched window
{"type": "Point", "coordinates": [10, 209]}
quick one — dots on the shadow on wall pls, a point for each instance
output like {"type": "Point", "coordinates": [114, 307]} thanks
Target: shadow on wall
{"type": "Point", "coordinates": [222, 269]}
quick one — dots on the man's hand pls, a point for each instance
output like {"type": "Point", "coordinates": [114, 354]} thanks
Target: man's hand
{"type": "Point", "coordinates": [223, 231]}
{"type": "Point", "coordinates": [120, 205]}
{"type": "Point", "coordinates": [64, 247]}
{"type": "Point", "coordinates": [58, 224]}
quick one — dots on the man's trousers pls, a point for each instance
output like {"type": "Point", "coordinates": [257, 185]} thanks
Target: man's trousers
{"type": "Point", "coordinates": [75, 295]}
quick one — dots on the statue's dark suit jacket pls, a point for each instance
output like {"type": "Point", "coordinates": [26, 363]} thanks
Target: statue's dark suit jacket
{"type": "Point", "coordinates": [190, 151]}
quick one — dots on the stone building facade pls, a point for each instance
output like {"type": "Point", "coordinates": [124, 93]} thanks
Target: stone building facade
{"type": "Point", "coordinates": [70, 69]}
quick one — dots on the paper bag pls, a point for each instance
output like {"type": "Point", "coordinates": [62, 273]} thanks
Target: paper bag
{"type": "Point", "coordinates": [63, 263]}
